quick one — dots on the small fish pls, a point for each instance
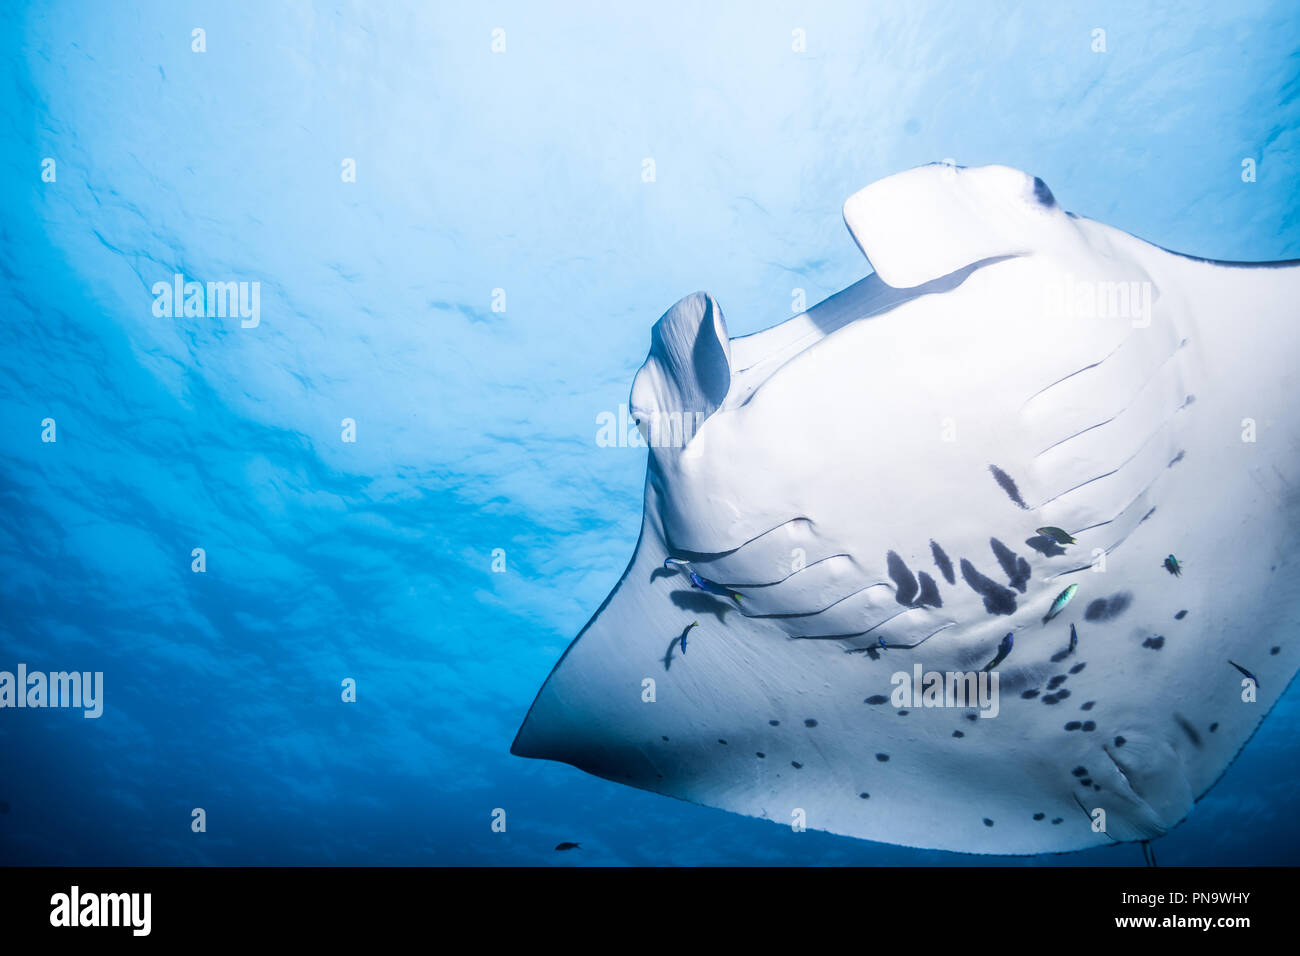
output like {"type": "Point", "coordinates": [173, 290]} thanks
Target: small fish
{"type": "Point", "coordinates": [1003, 650]}
{"type": "Point", "coordinates": [1246, 672]}
{"type": "Point", "coordinates": [1056, 534]}
{"type": "Point", "coordinates": [1062, 655]}
{"type": "Point", "coordinates": [1061, 601]}
{"type": "Point", "coordinates": [675, 562]}
{"type": "Point", "coordinates": [1173, 567]}
{"type": "Point", "coordinates": [685, 632]}
{"type": "Point", "coordinates": [568, 846]}
{"type": "Point", "coordinates": [704, 584]}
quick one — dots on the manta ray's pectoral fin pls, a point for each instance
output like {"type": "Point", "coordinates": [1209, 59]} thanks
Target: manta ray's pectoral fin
{"type": "Point", "coordinates": [928, 222]}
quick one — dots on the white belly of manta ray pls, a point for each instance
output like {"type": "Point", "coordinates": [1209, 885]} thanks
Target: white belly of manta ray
{"type": "Point", "coordinates": [987, 552]}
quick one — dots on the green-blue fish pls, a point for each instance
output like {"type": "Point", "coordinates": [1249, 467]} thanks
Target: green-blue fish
{"type": "Point", "coordinates": [1061, 601]}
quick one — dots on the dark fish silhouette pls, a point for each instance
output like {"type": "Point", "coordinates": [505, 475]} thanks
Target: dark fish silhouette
{"type": "Point", "coordinates": [1062, 655]}
{"type": "Point", "coordinates": [684, 633]}
{"type": "Point", "coordinates": [1056, 534]}
{"type": "Point", "coordinates": [1003, 650]}
{"type": "Point", "coordinates": [1246, 672]}
{"type": "Point", "coordinates": [568, 846]}
{"type": "Point", "coordinates": [704, 584]}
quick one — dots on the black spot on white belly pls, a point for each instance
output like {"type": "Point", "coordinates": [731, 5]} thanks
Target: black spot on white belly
{"type": "Point", "coordinates": [942, 562]}
{"type": "Point", "coordinates": [1014, 567]}
{"type": "Point", "coordinates": [997, 599]}
{"type": "Point", "coordinates": [1045, 546]}
{"type": "Point", "coordinates": [721, 741]}
{"type": "Point", "coordinates": [1155, 643]}
{"type": "Point", "coordinates": [1056, 681]}
{"type": "Point", "coordinates": [1078, 667]}
{"type": "Point", "coordinates": [929, 591]}
{"type": "Point", "coordinates": [1008, 485]}
{"type": "Point", "coordinates": [1213, 727]}
{"type": "Point", "coordinates": [796, 764]}
{"type": "Point", "coordinates": [1039, 816]}
{"type": "Point", "coordinates": [883, 758]}
{"type": "Point", "coordinates": [1080, 771]}
{"type": "Point", "coordinates": [1180, 615]}
{"type": "Point", "coordinates": [1057, 820]}
{"type": "Point", "coordinates": [760, 755]}
{"type": "Point", "coordinates": [988, 822]}
{"type": "Point", "coordinates": [1087, 705]}
{"type": "Point", "coordinates": [1274, 650]}
{"type": "Point", "coordinates": [1043, 194]}
{"type": "Point", "coordinates": [876, 699]}
{"type": "Point", "coordinates": [1107, 609]}
{"type": "Point", "coordinates": [810, 722]}
{"type": "Point", "coordinates": [1188, 729]}
{"type": "Point", "coordinates": [902, 713]}
{"type": "Point", "coordinates": [864, 795]}
{"type": "Point", "coordinates": [1120, 741]}
{"type": "Point", "coordinates": [958, 733]}
{"type": "Point", "coordinates": [1030, 694]}
{"type": "Point", "coordinates": [905, 586]}
{"type": "Point", "coordinates": [1089, 726]}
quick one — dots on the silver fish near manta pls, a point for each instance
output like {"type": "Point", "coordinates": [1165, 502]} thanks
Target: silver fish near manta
{"type": "Point", "coordinates": [1089, 375]}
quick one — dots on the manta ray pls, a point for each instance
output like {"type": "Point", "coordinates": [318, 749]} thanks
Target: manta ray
{"type": "Point", "coordinates": [863, 484]}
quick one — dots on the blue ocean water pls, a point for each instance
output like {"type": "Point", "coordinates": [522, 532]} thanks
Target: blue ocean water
{"type": "Point", "coordinates": [472, 302]}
